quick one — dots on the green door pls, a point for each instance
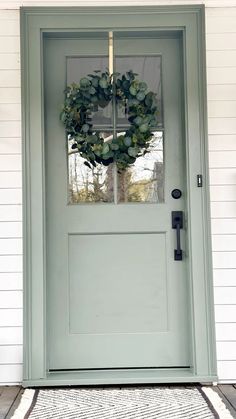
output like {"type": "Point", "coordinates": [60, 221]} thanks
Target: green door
{"type": "Point", "coordinates": [116, 298]}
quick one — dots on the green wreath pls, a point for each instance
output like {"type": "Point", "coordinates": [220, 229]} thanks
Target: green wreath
{"type": "Point", "coordinates": [98, 90]}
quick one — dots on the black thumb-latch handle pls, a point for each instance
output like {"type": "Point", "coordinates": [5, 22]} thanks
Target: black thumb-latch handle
{"type": "Point", "coordinates": [177, 223]}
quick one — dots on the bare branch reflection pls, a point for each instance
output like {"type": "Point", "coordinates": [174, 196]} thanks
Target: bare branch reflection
{"type": "Point", "coordinates": [141, 182]}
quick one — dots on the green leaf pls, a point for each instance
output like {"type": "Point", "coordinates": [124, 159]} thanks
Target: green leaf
{"type": "Point", "coordinates": [132, 91]}
{"type": "Point", "coordinates": [114, 147]}
{"type": "Point", "coordinates": [103, 83]}
{"type": "Point", "coordinates": [132, 151]}
{"type": "Point", "coordinates": [127, 141]}
{"type": "Point", "coordinates": [143, 128]}
{"type": "Point", "coordinates": [85, 128]}
{"type": "Point", "coordinates": [140, 96]}
{"type": "Point", "coordinates": [92, 90]}
{"type": "Point", "coordinates": [138, 120]}
{"type": "Point", "coordinates": [105, 148]}
{"type": "Point", "coordinates": [84, 82]}
{"type": "Point", "coordinates": [142, 86]}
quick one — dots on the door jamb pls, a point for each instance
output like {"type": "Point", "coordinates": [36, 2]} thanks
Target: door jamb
{"type": "Point", "coordinates": [35, 23]}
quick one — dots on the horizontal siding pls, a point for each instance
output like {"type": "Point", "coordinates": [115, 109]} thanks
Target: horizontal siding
{"type": "Point", "coordinates": [226, 351]}
{"type": "Point", "coordinates": [225, 193]}
{"type": "Point", "coordinates": [10, 317]}
{"type": "Point", "coordinates": [11, 179]}
{"type": "Point", "coordinates": [220, 242]}
{"type": "Point", "coordinates": [10, 374]}
{"type": "Point", "coordinates": [10, 95]}
{"type": "Point", "coordinates": [10, 146]}
{"type": "Point", "coordinates": [223, 226]}
{"type": "Point", "coordinates": [11, 246]}
{"type": "Point", "coordinates": [221, 59]}
{"type": "Point", "coordinates": [10, 196]}
{"type": "Point", "coordinates": [223, 314]}
{"type": "Point", "coordinates": [222, 142]}
{"type": "Point", "coordinates": [11, 129]}
{"type": "Point", "coordinates": [225, 295]}
{"type": "Point", "coordinates": [225, 176]}
{"type": "Point", "coordinates": [8, 4]}
{"type": "Point", "coordinates": [11, 281]}
{"type": "Point", "coordinates": [215, 75]}
{"type": "Point", "coordinates": [221, 77]}
{"type": "Point", "coordinates": [10, 213]}
{"type": "Point", "coordinates": [9, 61]}
{"type": "Point", "coordinates": [223, 210]}
{"type": "Point", "coordinates": [227, 371]}
{"type": "Point", "coordinates": [10, 111]}
{"type": "Point", "coordinates": [225, 278]}
{"type": "Point", "coordinates": [11, 354]}
{"type": "Point", "coordinates": [221, 92]}
{"type": "Point", "coordinates": [218, 109]}
{"type": "Point", "coordinates": [11, 298]}
{"type": "Point", "coordinates": [220, 24]}
{"type": "Point", "coordinates": [11, 335]}
{"type": "Point", "coordinates": [10, 229]}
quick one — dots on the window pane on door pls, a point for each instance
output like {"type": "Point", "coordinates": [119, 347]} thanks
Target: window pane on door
{"type": "Point", "coordinates": [148, 69]}
{"type": "Point", "coordinates": [89, 185]}
{"type": "Point", "coordinates": [78, 67]}
{"type": "Point", "coordinates": [144, 180]}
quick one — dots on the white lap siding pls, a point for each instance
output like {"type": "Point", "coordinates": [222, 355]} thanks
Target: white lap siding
{"type": "Point", "coordinates": [221, 71]}
{"type": "Point", "coordinates": [10, 201]}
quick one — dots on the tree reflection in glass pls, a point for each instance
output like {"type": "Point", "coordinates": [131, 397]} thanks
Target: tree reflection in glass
{"type": "Point", "coordinates": [144, 180]}
{"type": "Point", "coordinates": [141, 182]}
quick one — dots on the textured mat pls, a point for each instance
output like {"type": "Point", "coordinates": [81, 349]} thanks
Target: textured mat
{"type": "Point", "coordinates": [122, 403]}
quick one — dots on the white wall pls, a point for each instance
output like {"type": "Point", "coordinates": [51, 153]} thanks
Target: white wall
{"type": "Point", "coordinates": [221, 67]}
{"type": "Point", "coordinates": [10, 201]}
{"type": "Point", "coordinates": [221, 70]}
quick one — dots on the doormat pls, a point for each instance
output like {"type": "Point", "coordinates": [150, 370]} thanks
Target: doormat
{"type": "Point", "coordinates": [122, 403]}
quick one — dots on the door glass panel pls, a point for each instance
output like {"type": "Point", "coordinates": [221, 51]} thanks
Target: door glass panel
{"type": "Point", "coordinates": [144, 180]}
{"type": "Point", "coordinates": [148, 69]}
{"type": "Point", "coordinates": [89, 185]}
{"type": "Point", "coordinates": [78, 67]}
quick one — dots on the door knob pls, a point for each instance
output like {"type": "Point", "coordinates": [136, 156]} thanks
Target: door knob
{"type": "Point", "coordinates": [177, 224]}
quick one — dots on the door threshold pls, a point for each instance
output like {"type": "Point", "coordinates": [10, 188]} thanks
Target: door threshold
{"type": "Point", "coordinates": [118, 377]}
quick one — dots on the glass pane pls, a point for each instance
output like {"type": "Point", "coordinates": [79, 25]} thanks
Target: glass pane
{"type": "Point", "coordinates": [148, 69]}
{"type": "Point", "coordinates": [89, 185]}
{"type": "Point", "coordinates": [78, 67]}
{"type": "Point", "coordinates": [144, 180]}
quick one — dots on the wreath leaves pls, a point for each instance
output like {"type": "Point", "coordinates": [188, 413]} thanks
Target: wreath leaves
{"type": "Point", "coordinates": [96, 91]}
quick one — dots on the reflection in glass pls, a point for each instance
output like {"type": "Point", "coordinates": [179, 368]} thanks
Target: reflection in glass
{"type": "Point", "coordinates": [78, 67]}
{"type": "Point", "coordinates": [148, 69]}
{"type": "Point", "coordinates": [89, 185]}
{"type": "Point", "coordinates": [144, 180]}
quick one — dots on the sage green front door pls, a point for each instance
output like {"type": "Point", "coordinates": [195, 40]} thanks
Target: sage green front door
{"type": "Point", "coordinates": [116, 296]}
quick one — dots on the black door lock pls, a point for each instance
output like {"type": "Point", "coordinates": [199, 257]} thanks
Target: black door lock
{"type": "Point", "coordinates": [176, 193]}
{"type": "Point", "coordinates": [177, 223]}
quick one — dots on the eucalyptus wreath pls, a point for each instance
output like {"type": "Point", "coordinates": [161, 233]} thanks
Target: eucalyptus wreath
{"type": "Point", "coordinates": [96, 91]}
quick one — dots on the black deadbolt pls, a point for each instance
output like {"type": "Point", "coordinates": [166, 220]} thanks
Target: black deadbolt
{"type": "Point", "coordinates": [176, 193]}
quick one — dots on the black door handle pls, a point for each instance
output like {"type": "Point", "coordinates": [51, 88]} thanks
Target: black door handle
{"type": "Point", "coordinates": [177, 224]}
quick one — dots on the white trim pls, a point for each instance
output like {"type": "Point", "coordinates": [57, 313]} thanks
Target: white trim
{"type": "Point", "coordinates": [25, 403]}
{"type": "Point", "coordinates": [217, 403]}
